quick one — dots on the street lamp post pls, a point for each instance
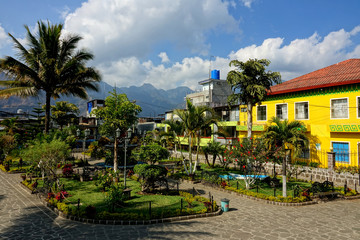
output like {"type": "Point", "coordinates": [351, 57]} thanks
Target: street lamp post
{"type": "Point", "coordinates": [127, 139]}
{"type": "Point", "coordinates": [117, 136]}
{"type": "Point", "coordinates": [87, 134]}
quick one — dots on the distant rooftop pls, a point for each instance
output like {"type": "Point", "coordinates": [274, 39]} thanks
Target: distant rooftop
{"type": "Point", "coordinates": [342, 73]}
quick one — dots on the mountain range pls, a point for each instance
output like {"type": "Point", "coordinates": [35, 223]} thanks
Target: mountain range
{"type": "Point", "coordinates": [153, 101]}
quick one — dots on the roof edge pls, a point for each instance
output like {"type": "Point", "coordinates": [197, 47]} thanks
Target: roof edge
{"type": "Point", "coordinates": [313, 87]}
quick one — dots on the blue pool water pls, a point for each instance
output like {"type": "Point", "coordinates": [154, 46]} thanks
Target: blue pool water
{"type": "Point", "coordinates": [238, 176]}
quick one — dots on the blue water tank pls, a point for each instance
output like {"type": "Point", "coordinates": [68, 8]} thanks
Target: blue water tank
{"type": "Point", "coordinates": [215, 74]}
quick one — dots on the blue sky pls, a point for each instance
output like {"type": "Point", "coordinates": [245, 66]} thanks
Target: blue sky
{"type": "Point", "coordinates": [169, 43]}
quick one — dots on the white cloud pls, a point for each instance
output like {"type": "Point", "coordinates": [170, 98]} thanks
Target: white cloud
{"type": "Point", "coordinates": [122, 34]}
{"type": "Point", "coordinates": [188, 72]}
{"type": "Point", "coordinates": [119, 29]}
{"type": "Point", "coordinates": [299, 57]}
{"type": "Point", "coordinates": [64, 12]}
{"type": "Point", "coordinates": [247, 3]}
{"type": "Point", "coordinates": [164, 57]}
{"type": "Point", "coordinates": [4, 38]}
{"type": "Point", "coordinates": [302, 56]}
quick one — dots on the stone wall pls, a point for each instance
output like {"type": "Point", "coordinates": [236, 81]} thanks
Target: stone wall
{"type": "Point", "coordinates": [320, 175]}
{"type": "Point", "coordinates": [307, 173]}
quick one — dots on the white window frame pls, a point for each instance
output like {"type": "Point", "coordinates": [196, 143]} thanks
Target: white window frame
{"type": "Point", "coordinates": [308, 113]}
{"type": "Point", "coordinates": [287, 111]}
{"type": "Point", "coordinates": [357, 107]}
{"type": "Point", "coordinates": [257, 117]}
{"type": "Point", "coordinates": [331, 144]}
{"type": "Point", "coordinates": [348, 115]}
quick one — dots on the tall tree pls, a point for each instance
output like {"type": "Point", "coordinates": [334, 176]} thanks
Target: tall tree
{"type": "Point", "coordinates": [51, 64]}
{"type": "Point", "coordinates": [64, 112]}
{"type": "Point", "coordinates": [118, 113]}
{"type": "Point", "coordinates": [195, 119]}
{"type": "Point", "coordinates": [285, 135]}
{"type": "Point", "coordinates": [250, 82]}
{"type": "Point", "coordinates": [176, 128]}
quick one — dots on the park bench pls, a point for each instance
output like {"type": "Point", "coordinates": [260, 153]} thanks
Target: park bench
{"type": "Point", "coordinates": [272, 181]}
{"type": "Point", "coordinates": [323, 190]}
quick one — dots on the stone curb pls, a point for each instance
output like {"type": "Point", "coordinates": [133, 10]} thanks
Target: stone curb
{"type": "Point", "coordinates": [121, 222]}
{"type": "Point", "coordinates": [259, 199]}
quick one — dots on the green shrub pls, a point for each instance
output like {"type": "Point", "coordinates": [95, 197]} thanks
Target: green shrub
{"type": "Point", "coordinates": [149, 174]}
{"type": "Point", "coordinates": [151, 153]}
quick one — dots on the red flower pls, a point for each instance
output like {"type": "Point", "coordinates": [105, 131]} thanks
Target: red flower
{"type": "Point", "coordinates": [243, 166]}
{"type": "Point", "coordinates": [241, 145]}
{"type": "Point", "coordinates": [236, 160]}
{"type": "Point", "coordinates": [249, 152]}
{"type": "Point", "coordinates": [224, 160]}
{"type": "Point", "coordinates": [267, 157]}
{"type": "Point", "coordinates": [231, 152]}
{"type": "Point", "coordinates": [255, 158]}
{"type": "Point", "coordinates": [225, 151]}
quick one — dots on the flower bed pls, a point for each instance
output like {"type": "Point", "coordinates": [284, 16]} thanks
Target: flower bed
{"type": "Point", "coordinates": [136, 209]}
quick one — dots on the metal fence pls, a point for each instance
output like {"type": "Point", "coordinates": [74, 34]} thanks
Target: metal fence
{"type": "Point", "coordinates": [320, 158]}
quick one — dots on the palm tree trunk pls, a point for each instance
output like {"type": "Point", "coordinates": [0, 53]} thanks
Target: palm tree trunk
{"type": "Point", "coordinates": [284, 176]}
{"type": "Point", "coordinates": [250, 119]}
{"type": "Point", "coordinates": [47, 112]}
{"type": "Point", "coordinates": [115, 155]}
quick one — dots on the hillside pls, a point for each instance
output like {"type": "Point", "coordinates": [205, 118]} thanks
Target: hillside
{"type": "Point", "coordinates": [153, 101]}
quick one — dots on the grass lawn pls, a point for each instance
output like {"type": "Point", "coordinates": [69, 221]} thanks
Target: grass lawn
{"type": "Point", "coordinates": [266, 189]}
{"type": "Point", "coordinates": [90, 194]}
{"type": "Point", "coordinates": [262, 186]}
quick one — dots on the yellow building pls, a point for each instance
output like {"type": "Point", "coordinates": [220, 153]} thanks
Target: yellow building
{"type": "Point", "coordinates": [327, 101]}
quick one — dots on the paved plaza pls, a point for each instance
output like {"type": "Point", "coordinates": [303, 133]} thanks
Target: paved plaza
{"type": "Point", "coordinates": [22, 216]}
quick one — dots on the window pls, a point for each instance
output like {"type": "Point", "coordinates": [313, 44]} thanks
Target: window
{"type": "Point", "coordinates": [339, 108]}
{"type": "Point", "coordinates": [261, 113]}
{"type": "Point", "coordinates": [302, 110]}
{"type": "Point", "coordinates": [281, 111]}
{"type": "Point", "coordinates": [358, 107]}
{"type": "Point", "coordinates": [341, 150]}
{"type": "Point", "coordinates": [305, 153]}
{"type": "Point", "coordinates": [243, 109]}
{"type": "Point", "coordinates": [234, 114]}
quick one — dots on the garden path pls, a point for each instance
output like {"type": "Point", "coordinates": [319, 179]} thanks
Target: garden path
{"type": "Point", "coordinates": [22, 216]}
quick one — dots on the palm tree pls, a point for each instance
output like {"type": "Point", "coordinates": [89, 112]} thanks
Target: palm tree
{"type": "Point", "coordinates": [284, 135]}
{"type": "Point", "coordinates": [250, 83]}
{"type": "Point", "coordinates": [64, 112]}
{"type": "Point", "coordinates": [195, 119]}
{"type": "Point", "coordinates": [215, 149]}
{"type": "Point", "coordinates": [11, 125]}
{"type": "Point", "coordinates": [176, 129]}
{"type": "Point", "coordinates": [51, 64]}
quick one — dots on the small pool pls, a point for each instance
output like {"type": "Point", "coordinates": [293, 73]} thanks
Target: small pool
{"type": "Point", "coordinates": [232, 176]}
{"type": "Point", "coordinates": [101, 164]}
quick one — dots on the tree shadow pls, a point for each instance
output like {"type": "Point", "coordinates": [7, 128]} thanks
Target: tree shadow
{"type": "Point", "coordinates": [41, 223]}
{"type": "Point", "coordinates": [2, 197]}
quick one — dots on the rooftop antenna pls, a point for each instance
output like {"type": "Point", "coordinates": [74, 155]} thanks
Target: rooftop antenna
{"type": "Point", "coordinates": [210, 66]}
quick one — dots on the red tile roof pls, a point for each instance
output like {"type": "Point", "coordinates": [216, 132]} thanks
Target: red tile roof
{"type": "Point", "coordinates": [342, 73]}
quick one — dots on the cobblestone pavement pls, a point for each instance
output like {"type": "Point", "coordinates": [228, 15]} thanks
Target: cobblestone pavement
{"type": "Point", "coordinates": [22, 216]}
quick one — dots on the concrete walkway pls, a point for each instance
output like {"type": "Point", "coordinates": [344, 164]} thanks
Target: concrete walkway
{"type": "Point", "coordinates": [23, 217]}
